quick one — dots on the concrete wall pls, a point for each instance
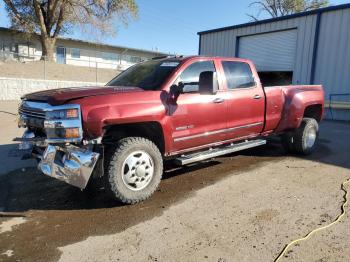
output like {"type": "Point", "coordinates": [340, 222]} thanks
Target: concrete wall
{"type": "Point", "coordinates": [14, 88]}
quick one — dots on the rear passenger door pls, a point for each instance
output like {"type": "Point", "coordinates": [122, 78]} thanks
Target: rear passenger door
{"type": "Point", "coordinates": [245, 100]}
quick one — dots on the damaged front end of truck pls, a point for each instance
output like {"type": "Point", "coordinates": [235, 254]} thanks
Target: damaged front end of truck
{"type": "Point", "coordinates": [54, 136]}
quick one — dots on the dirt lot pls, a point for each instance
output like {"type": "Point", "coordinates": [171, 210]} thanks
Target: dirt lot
{"type": "Point", "coordinates": [53, 71]}
{"type": "Point", "coordinates": [241, 207]}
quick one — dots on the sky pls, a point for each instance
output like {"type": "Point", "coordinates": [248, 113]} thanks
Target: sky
{"type": "Point", "coordinates": [172, 26]}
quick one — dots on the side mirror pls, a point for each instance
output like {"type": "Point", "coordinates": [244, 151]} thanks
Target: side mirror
{"type": "Point", "coordinates": [208, 83]}
{"type": "Point", "coordinates": [175, 91]}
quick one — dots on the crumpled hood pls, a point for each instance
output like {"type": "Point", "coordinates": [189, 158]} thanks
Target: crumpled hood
{"type": "Point", "coordinates": [63, 95]}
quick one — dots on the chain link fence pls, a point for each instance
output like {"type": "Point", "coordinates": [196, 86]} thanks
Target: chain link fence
{"type": "Point", "coordinates": [91, 69]}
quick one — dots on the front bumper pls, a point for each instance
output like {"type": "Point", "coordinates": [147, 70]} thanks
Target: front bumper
{"type": "Point", "coordinates": [69, 163]}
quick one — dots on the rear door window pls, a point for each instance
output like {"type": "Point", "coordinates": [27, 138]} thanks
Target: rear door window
{"type": "Point", "coordinates": [238, 75]}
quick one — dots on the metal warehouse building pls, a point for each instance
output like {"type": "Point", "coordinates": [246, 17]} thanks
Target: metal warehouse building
{"type": "Point", "coordinates": [305, 48]}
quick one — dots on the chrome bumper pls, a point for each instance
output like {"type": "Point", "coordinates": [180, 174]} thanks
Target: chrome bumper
{"type": "Point", "coordinates": [70, 164]}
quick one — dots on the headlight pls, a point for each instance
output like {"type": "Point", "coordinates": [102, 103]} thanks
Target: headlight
{"type": "Point", "coordinates": [63, 114]}
{"type": "Point", "coordinates": [64, 123]}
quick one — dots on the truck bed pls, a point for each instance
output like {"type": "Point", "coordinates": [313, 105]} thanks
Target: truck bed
{"type": "Point", "coordinates": [283, 104]}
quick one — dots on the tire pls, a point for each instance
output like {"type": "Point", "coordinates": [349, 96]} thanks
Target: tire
{"type": "Point", "coordinates": [304, 139]}
{"type": "Point", "coordinates": [135, 170]}
{"type": "Point", "coordinates": [287, 142]}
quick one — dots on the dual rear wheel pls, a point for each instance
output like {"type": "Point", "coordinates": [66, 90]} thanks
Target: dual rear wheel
{"type": "Point", "coordinates": [302, 140]}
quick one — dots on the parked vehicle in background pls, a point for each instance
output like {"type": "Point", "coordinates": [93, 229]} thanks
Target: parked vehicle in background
{"type": "Point", "coordinates": [184, 109]}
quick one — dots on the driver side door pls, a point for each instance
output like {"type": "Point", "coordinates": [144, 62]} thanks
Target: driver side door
{"type": "Point", "coordinates": [198, 120]}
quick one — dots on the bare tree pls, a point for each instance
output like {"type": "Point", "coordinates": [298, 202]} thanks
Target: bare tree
{"type": "Point", "coordinates": [276, 8]}
{"type": "Point", "coordinates": [51, 18]}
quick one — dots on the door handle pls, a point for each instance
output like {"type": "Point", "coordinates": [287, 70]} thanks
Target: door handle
{"type": "Point", "coordinates": [257, 97]}
{"type": "Point", "coordinates": [218, 100]}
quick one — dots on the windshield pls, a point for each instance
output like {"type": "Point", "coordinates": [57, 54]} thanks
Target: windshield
{"type": "Point", "coordinates": [149, 75]}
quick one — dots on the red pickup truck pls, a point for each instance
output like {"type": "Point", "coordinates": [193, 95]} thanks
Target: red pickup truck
{"type": "Point", "coordinates": [184, 109]}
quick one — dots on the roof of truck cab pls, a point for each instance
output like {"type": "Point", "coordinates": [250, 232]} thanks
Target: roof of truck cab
{"type": "Point", "coordinates": [186, 58]}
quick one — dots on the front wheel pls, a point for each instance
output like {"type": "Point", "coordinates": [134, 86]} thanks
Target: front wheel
{"type": "Point", "coordinates": [303, 140]}
{"type": "Point", "coordinates": [135, 170]}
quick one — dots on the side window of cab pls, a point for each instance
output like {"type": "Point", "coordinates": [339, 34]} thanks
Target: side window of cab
{"type": "Point", "coordinates": [238, 75]}
{"type": "Point", "coordinates": [190, 76]}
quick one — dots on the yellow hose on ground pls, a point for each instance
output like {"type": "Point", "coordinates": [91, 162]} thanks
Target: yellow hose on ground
{"type": "Point", "coordinates": [283, 252]}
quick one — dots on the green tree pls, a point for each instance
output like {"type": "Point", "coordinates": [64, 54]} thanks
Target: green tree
{"type": "Point", "coordinates": [276, 8]}
{"type": "Point", "coordinates": [51, 18]}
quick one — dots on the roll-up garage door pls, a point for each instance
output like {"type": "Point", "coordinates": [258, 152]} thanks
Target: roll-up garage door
{"type": "Point", "coordinates": [270, 51]}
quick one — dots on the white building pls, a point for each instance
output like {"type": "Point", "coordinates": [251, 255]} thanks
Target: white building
{"type": "Point", "coordinates": [17, 45]}
{"type": "Point", "coordinates": [305, 48]}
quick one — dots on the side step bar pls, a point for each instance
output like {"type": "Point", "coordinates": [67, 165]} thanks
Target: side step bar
{"type": "Point", "coordinates": [211, 153]}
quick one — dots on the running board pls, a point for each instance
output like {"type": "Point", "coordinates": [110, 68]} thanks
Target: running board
{"type": "Point", "coordinates": [211, 153]}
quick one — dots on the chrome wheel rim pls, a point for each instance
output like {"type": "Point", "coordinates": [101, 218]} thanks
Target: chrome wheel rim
{"type": "Point", "coordinates": [310, 137]}
{"type": "Point", "coordinates": [137, 170]}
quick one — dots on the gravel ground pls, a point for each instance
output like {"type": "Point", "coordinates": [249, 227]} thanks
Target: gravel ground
{"type": "Point", "coordinates": [241, 207]}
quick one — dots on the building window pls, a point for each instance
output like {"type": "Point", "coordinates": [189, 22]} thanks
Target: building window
{"type": "Point", "coordinates": [27, 49]}
{"type": "Point", "coordinates": [135, 59]}
{"type": "Point", "coordinates": [75, 52]}
{"type": "Point", "coordinates": [6, 47]}
{"type": "Point", "coordinates": [110, 56]}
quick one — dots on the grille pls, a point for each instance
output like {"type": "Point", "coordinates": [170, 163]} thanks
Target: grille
{"type": "Point", "coordinates": [31, 112]}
